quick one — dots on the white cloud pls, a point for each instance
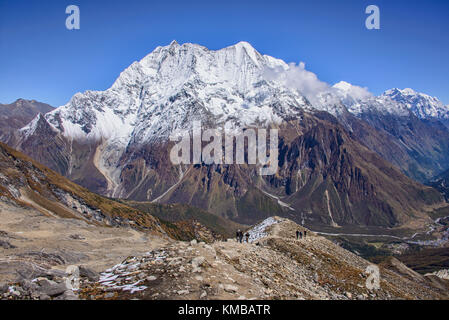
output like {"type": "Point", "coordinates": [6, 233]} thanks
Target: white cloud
{"type": "Point", "coordinates": [297, 77]}
{"type": "Point", "coordinates": [356, 92]}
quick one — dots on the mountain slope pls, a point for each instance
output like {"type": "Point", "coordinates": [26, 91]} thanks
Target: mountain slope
{"type": "Point", "coordinates": [409, 128]}
{"type": "Point", "coordinates": [326, 172]}
{"type": "Point", "coordinates": [441, 183]}
{"type": "Point", "coordinates": [25, 182]}
{"type": "Point", "coordinates": [420, 148]}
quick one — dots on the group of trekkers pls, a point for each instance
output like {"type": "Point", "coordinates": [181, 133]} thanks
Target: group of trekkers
{"type": "Point", "coordinates": [239, 236]}
{"type": "Point", "coordinates": [299, 234]}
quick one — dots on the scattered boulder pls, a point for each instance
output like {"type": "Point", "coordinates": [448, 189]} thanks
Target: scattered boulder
{"type": "Point", "coordinates": [198, 262]}
{"type": "Point", "coordinates": [55, 273]}
{"type": "Point", "coordinates": [230, 288]}
{"type": "Point", "coordinates": [89, 273]}
{"type": "Point", "coordinates": [51, 288]}
{"type": "Point", "coordinates": [6, 245]}
{"type": "Point", "coordinates": [3, 288]}
{"type": "Point", "coordinates": [28, 285]}
{"type": "Point", "coordinates": [76, 237]}
{"type": "Point", "coordinates": [182, 292]}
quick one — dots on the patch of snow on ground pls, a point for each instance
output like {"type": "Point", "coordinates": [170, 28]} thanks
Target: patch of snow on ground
{"type": "Point", "coordinates": [258, 231]}
{"type": "Point", "coordinates": [118, 277]}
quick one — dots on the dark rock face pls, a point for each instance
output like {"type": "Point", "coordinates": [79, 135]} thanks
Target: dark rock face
{"type": "Point", "coordinates": [441, 183]}
{"type": "Point", "coordinates": [6, 245]}
{"type": "Point", "coordinates": [326, 176]}
{"type": "Point", "coordinates": [328, 173]}
{"type": "Point", "coordinates": [419, 147]}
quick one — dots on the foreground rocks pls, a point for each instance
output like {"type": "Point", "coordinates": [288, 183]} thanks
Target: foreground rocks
{"type": "Point", "coordinates": [273, 265]}
{"type": "Point", "coordinates": [38, 289]}
{"type": "Point", "coordinates": [51, 285]}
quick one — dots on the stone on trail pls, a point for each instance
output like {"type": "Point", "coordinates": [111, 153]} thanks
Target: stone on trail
{"type": "Point", "coordinates": [198, 262]}
{"type": "Point", "coordinates": [230, 288]}
{"type": "Point", "coordinates": [182, 292]}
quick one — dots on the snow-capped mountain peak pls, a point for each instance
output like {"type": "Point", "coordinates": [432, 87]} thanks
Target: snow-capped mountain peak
{"type": "Point", "coordinates": [343, 86]}
{"type": "Point", "coordinates": [176, 84]}
{"type": "Point", "coordinates": [420, 104]}
{"type": "Point", "coordinates": [235, 86]}
{"type": "Point", "coordinates": [359, 100]}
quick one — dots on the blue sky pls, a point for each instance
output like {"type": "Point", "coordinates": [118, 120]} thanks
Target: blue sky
{"type": "Point", "coordinates": [40, 59]}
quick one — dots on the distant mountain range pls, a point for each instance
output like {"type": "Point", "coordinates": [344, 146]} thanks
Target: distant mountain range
{"type": "Point", "coordinates": [347, 159]}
